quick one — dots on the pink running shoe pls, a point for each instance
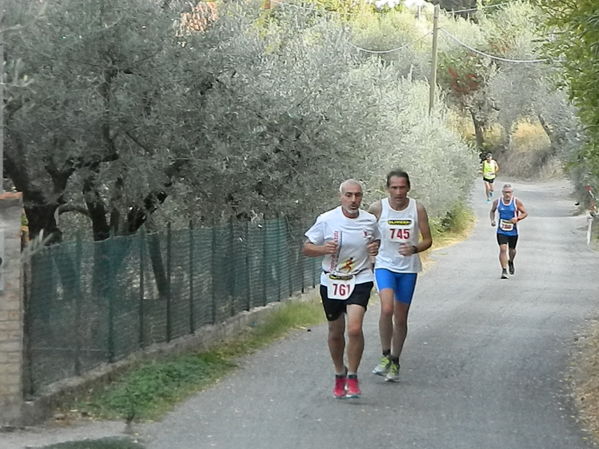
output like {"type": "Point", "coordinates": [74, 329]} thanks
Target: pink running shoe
{"type": "Point", "coordinates": [339, 388]}
{"type": "Point", "coordinates": [353, 388]}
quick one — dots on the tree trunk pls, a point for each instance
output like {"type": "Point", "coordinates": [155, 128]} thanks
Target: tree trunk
{"type": "Point", "coordinates": [158, 265]}
{"type": "Point", "coordinates": [554, 139]}
{"type": "Point", "coordinates": [478, 131]}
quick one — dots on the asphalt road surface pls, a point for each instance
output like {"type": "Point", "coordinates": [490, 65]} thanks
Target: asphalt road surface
{"type": "Point", "coordinates": [483, 366]}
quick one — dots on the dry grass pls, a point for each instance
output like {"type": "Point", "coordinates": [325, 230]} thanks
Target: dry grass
{"type": "Point", "coordinates": [584, 374]}
{"type": "Point", "coordinates": [529, 146]}
{"type": "Point", "coordinates": [463, 125]}
{"type": "Point", "coordinates": [584, 378]}
{"type": "Point", "coordinates": [529, 137]}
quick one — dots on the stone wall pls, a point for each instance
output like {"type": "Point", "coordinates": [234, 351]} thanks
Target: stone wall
{"type": "Point", "coordinates": [11, 311]}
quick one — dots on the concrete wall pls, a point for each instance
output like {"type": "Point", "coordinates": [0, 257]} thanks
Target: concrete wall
{"type": "Point", "coordinates": [11, 311]}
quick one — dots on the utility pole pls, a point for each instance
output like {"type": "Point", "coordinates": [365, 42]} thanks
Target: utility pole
{"type": "Point", "coordinates": [433, 79]}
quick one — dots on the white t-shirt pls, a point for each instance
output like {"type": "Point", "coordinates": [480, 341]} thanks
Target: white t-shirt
{"type": "Point", "coordinates": [352, 235]}
{"type": "Point", "coordinates": [397, 227]}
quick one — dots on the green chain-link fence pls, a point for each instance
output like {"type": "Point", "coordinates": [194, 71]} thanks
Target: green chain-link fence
{"type": "Point", "coordinates": [89, 303]}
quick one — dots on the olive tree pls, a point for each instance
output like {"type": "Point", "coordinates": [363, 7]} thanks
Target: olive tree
{"type": "Point", "coordinates": [573, 38]}
{"type": "Point", "coordinates": [529, 90]}
{"type": "Point", "coordinates": [101, 128]}
{"type": "Point", "coordinates": [256, 113]}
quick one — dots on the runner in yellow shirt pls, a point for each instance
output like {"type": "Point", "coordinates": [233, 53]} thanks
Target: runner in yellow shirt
{"type": "Point", "coordinates": [490, 170]}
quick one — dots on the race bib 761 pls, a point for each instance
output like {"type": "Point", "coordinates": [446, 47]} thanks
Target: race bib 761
{"type": "Point", "coordinates": [340, 286]}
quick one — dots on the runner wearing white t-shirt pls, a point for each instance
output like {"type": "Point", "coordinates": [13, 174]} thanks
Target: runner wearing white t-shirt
{"type": "Point", "coordinates": [403, 225]}
{"type": "Point", "coordinates": [347, 237]}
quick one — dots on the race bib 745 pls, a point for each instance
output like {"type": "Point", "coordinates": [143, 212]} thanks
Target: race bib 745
{"type": "Point", "coordinates": [399, 230]}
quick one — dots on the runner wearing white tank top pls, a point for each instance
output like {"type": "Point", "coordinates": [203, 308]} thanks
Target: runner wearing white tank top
{"type": "Point", "coordinates": [398, 227]}
{"type": "Point", "coordinates": [405, 232]}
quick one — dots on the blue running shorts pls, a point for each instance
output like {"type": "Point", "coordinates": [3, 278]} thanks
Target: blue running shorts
{"type": "Point", "coordinates": [403, 284]}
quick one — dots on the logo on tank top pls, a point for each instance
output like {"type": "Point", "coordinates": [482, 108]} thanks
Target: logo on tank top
{"type": "Point", "coordinates": [399, 222]}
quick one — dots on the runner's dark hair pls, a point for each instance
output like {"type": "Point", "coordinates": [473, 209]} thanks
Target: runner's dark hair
{"type": "Point", "coordinates": [400, 174]}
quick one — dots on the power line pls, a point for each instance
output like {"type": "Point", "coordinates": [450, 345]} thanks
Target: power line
{"type": "Point", "coordinates": [498, 58]}
{"type": "Point", "coordinates": [278, 2]}
{"type": "Point", "coordinates": [357, 47]}
{"type": "Point", "coordinates": [392, 49]}
{"type": "Point", "coordinates": [479, 8]}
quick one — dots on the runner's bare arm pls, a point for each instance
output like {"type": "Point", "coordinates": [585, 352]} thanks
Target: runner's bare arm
{"type": "Point", "coordinates": [492, 212]}
{"type": "Point", "coordinates": [373, 247]}
{"type": "Point", "coordinates": [311, 250]}
{"type": "Point", "coordinates": [375, 209]}
{"type": "Point", "coordinates": [426, 240]}
{"type": "Point", "coordinates": [522, 214]}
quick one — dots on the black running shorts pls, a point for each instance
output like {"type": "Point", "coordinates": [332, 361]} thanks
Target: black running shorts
{"type": "Point", "coordinates": [509, 240]}
{"type": "Point", "coordinates": [333, 308]}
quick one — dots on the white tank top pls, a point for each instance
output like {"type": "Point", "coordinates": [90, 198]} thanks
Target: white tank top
{"type": "Point", "coordinates": [397, 227]}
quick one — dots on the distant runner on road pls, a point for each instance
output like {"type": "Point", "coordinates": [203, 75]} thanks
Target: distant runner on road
{"type": "Point", "coordinates": [347, 237]}
{"type": "Point", "coordinates": [511, 211]}
{"type": "Point", "coordinates": [490, 170]}
{"type": "Point", "coordinates": [401, 222]}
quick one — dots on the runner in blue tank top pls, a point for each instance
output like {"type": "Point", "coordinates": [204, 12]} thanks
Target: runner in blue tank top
{"type": "Point", "coordinates": [510, 210]}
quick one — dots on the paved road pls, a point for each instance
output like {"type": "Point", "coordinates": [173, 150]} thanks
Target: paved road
{"type": "Point", "coordinates": [483, 368]}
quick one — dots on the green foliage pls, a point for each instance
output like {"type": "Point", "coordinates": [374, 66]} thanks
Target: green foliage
{"type": "Point", "coordinates": [495, 91]}
{"type": "Point", "coordinates": [146, 392]}
{"type": "Point", "coordinates": [455, 224]}
{"type": "Point", "coordinates": [456, 4]}
{"type": "Point", "coordinates": [293, 315]}
{"type": "Point", "coordinates": [345, 8]}
{"type": "Point", "coordinates": [100, 126]}
{"type": "Point", "coordinates": [574, 42]}
{"type": "Point", "coordinates": [395, 29]}
{"type": "Point", "coordinates": [463, 73]}
{"type": "Point", "coordinates": [130, 123]}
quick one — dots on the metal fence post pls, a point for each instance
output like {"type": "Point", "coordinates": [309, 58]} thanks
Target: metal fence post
{"type": "Point", "coordinates": [78, 305]}
{"type": "Point", "coordinates": [288, 256]}
{"type": "Point", "coordinates": [213, 277]}
{"type": "Point", "coordinates": [169, 317]}
{"type": "Point", "coordinates": [248, 275]}
{"type": "Point", "coordinates": [314, 265]}
{"type": "Point", "coordinates": [192, 324]}
{"type": "Point", "coordinates": [302, 266]}
{"type": "Point", "coordinates": [264, 263]}
{"type": "Point", "coordinates": [278, 259]}
{"type": "Point", "coordinates": [28, 381]}
{"type": "Point", "coordinates": [142, 272]}
{"type": "Point", "coordinates": [111, 293]}
{"type": "Point", "coordinates": [232, 285]}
